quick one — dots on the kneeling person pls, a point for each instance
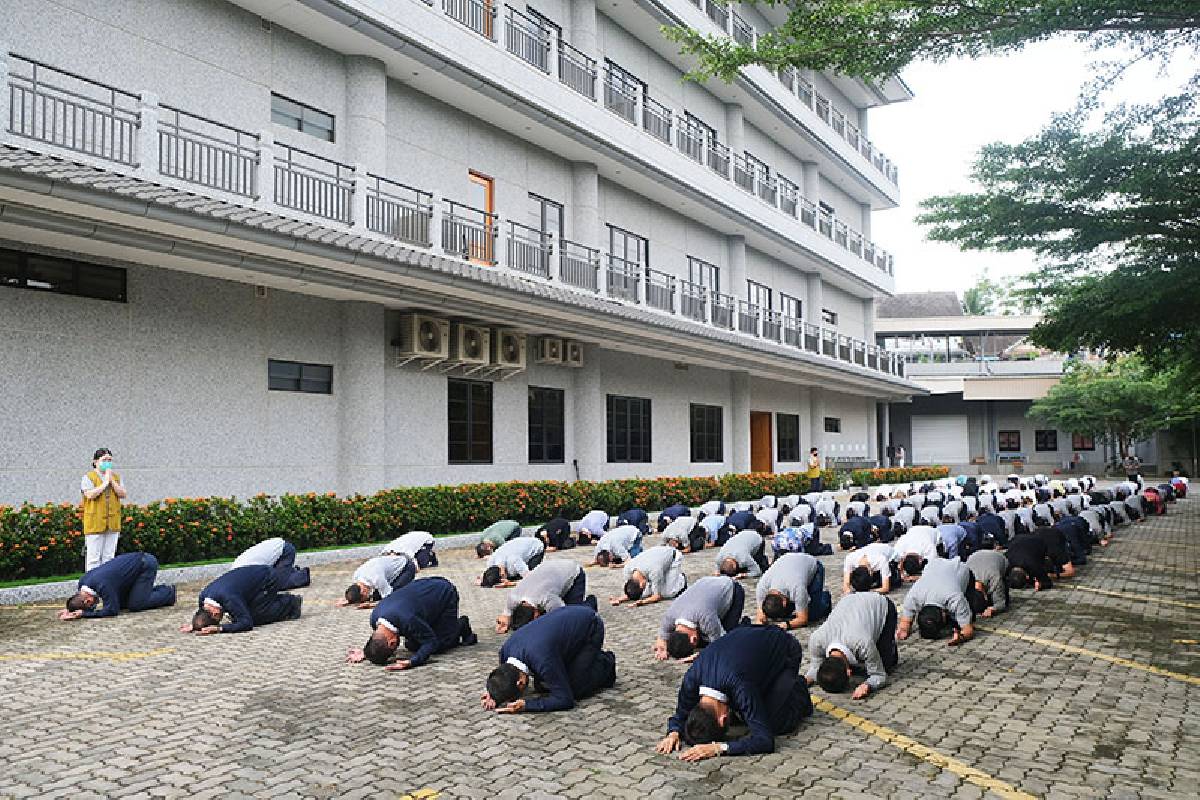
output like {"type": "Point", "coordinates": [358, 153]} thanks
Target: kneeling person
{"type": "Point", "coordinates": [512, 561]}
{"type": "Point", "coordinates": [792, 592]}
{"type": "Point", "coordinates": [653, 575]}
{"type": "Point", "coordinates": [742, 554]}
{"type": "Point", "coordinates": [551, 585]}
{"type": "Point", "coordinates": [860, 634]}
{"type": "Point", "coordinates": [701, 615]}
{"type": "Point", "coordinates": [425, 615]}
{"type": "Point", "coordinates": [280, 556]}
{"type": "Point", "coordinates": [248, 596]}
{"type": "Point", "coordinates": [417, 545]}
{"type": "Point", "coordinates": [939, 600]}
{"type": "Point", "coordinates": [126, 581]}
{"type": "Point", "coordinates": [377, 578]}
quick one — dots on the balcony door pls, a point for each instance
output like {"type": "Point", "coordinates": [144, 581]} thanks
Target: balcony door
{"type": "Point", "coordinates": [483, 199]}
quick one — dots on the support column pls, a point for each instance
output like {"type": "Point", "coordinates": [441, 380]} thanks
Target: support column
{"type": "Point", "coordinates": [871, 445]}
{"type": "Point", "coordinates": [862, 121]}
{"type": "Point", "coordinates": [590, 451]}
{"type": "Point", "coordinates": [869, 320]}
{"type": "Point", "coordinates": [816, 431]}
{"type": "Point", "coordinates": [810, 181]}
{"type": "Point", "coordinates": [864, 223]}
{"type": "Point", "coordinates": [360, 389]}
{"type": "Point", "coordinates": [740, 422]}
{"type": "Point", "coordinates": [734, 283]}
{"type": "Point", "coordinates": [735, 129]}
{"type": "Point", "coordinates": [885, 432]}
{"type": "Point", "coordinates": [584, 221]}
{"type": "Point", "coordinates": [147, 138]}
{"type": "Point", "coordinates": [583, 26]}
{"type": "Point", "coordinates": [366, 113]}
{"type": "Point", "coordinates": [816, 298]}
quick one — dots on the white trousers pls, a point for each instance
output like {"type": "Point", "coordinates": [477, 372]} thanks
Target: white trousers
{"type": "Point", "coordinates": [101, 547]}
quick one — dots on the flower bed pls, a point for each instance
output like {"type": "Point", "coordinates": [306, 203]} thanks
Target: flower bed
{"type": "Point", "coordinates": [41, 540]}
{"type": "Point", "coordinates": [878, 477]}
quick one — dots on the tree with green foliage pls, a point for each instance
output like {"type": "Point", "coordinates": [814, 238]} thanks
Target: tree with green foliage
{"type": "Point", "coordinates": [1121, 401]}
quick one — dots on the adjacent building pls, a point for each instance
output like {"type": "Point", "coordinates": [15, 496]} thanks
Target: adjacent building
{"type": "Point", "coordinates": [340, 245]}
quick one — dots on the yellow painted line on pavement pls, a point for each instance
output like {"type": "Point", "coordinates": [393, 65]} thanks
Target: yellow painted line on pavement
{"type": "Point", "coordinates": [1146, 565]}
{"type": "Point", "coordinates": [421, 794]}
{"type": "Point", "coordinates": [87, 656]}
{"type": "Point", "coordinates": [926, 754]}
{"type": "Point", "coordinates": [1070, 648]}
{"type": "Point", "coordinates": [1132, 596]}
{"type": "Point", "coordinates": [1185, 641]}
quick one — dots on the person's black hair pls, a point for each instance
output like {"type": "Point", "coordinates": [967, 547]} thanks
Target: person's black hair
{"type": "Point", "coordinates": [633, 589]}
{"type": "Point", "coordinates": [913, 564]}
{"type": "Point", "coordinates": [987, 542]}
{"type": "Point", "coordinates": [846, 540]}
{"type": "Point", "coordinates": [502, 684]}
{"type": "Point", "coordinates": [832, 675]}
{"type": "Point", "coordinates": [702, 727]}
{"type": "Point", "coordinates": [679, 645]}
{"type": "Point", "coordinates": [931, 622]}
{"type": "Point", "coordinates": [785, 511]}
{"type": "Point", "coordinates": [76, 602]}
{"type": "Point", "coordinates": [603, 558]}
{"type": "Point", "coordinates": [521, 616]}
{"type": "Point", "coordinates": [725, 569]}
{"type": "Point", "coordinates": [378, 651]}
{"type": "Point", "coordinates": [861, 579]}
{"type": "Point", "coordinates": [898, 528]}
{"type": "Point", "coordinates": [812, 450]}
{"type": "Point", "coordinates": [948, 519]}
{"type": "Point", "coordinates": [103, 451]}
{"type": "Point", "coordinates": [203, 619]}
{"type": "Point", "coordinates": [482, 549]}
{"type": "Point", "coordinates": [851, 513]}
{"type": "Point", "coordinates": [778, 607]}
{"type": "Point", "coordinates": [354, 593]}
{"type": "Point", "coordinates": [978, 601]}
{"type": "Point", "coordinates": [1017, 578]}
{"type": "Point", "coordinates": [823, 521]}
{"type": "Point", "coordinates": [491, 576]}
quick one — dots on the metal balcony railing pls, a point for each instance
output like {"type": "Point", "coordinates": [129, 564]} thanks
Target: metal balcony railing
{"type": "Point", "coordinates": [201, 151]}
{"type": "Point", "coordinates": [793, 332]}
{"type": "Point", "coordinates": [478, 15]}
{"type": "Point", "coordinates": [69, 111]}
{"type": "Point", "coordinates": [718, 12]}
{"type": "Point", "coordinates": [619, 99]}
{"type": "Point", "coordinates": [576, 70]}
{"type": "Point", "coordinates": [812, 338]}
{"type": "Point", "coordinates": [772, 325]}
{"type": "Point", "coordinates": [690, 140]}
{"type": "Point", "coordinates": [789, 197]}
{"type": "Point", "coordinates": [398, 211]}
{"type": "Point", "coordinates": [743, 32]}
{"type": "Point", "coordinates": [579, 266]}
{"type": "Point", "coordinates": [829, 342]}
{"type": "Point", "coordinates": [805, 91]}
{"type": "Point", "coordinates": [787, 76]}
{"type": "Point", "coordinates": [656, 119]}
{"type": "Point", "coordinates": [844, 347]}
{"type": "Point", "coordinates": [718, 159]}
{"type": "Point", "coordinates": [660, 290]}
{"type": "Point", "coordinates": [748, 317]}
{"type": "Point", "coordinates": [743, 173]}
{"type": "Point", "coordinates": [825, 223]}
{"type": "Point", "coordinates": [724, 311]}
{"type": "Point", "coordinates": [624, 278]}
{"type": "Point", "coordinates": [808, 213]}
{"type": "Point", "coordinates": [766, 187]}
{"type": "Point", "coordinates": [859, 355]}
{"type": "Point", "coordinates": [693, 301]}
{"type": "Point", "coordinates": [469, 233]}
{"type": "Point", "coordinates": [529, 250]}
{"type": "Point", "coordinates": [313, 184]}
{"type": "Point", "coordinates": [841, 234]}
{"type": "Point", "coordinates": [527, 39]}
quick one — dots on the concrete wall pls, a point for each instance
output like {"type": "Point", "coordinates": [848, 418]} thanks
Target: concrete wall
{"type": "Point", "coordinates": [673, 237]}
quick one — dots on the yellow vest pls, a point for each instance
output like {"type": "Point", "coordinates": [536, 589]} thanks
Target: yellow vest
{"type": "Point", "coordinates": [104, 512]}
{"type": "Point", "coordinates": [814, 468]}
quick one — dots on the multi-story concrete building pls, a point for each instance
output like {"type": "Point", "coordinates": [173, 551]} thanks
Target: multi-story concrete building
{"type": "Point", "coordinates": [292, 245]}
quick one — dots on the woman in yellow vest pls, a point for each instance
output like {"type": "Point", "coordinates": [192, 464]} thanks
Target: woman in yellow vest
{"type": "Point", "coordinates": [814, 471]}
{"type": "Point", "coordinates": [102, 496]}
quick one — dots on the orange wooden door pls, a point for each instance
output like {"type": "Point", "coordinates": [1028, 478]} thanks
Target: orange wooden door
{"type": "Point", "coordinates": [482, 243]}
{"type": "Point", "coordinates": [760, 442]}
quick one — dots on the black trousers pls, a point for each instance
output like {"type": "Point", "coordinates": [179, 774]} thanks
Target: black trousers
{"type": "Point", "coordinates": [592, 668]}
{"type": "Point", "coordinates": [449, 628]}
{"type": "Point", "coordinates": [760, 556]}
{"type": "Point", "coordinates": [733, 617]}
{"type": "Point", "coordinates": [886, 643]}
{"type": "Point", "coordinates": [426, 557]}
{"type": "Point", "coordinates": [287, 574]}
{"type": "Point", "coordinates": [406, 576]}
{"type": "Point", "coordinates": [143, 594]}
{"type": "Point", "coordinates": [533, 562]}
{"type": "Point", "coordinates": [272, 605]}
{"type": "Point", "coordinates": [578, 591]}
{"type": "Point", "coordinates": [696, 540]}
{"type": "Point", "coordinates": [786, 698]}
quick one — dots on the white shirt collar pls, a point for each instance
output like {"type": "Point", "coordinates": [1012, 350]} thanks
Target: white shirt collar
{"type": "Point", "coordinates": [518, 664]}
{"type": "Point", "coordinates": [707, 691]}
{"type": "Point", "coordinates": [687, 623]}
{"type": "Point", "coordinates": [846, 651]}
{"type": "Point", "coordinates": [208, 601]}
{"type": "Point", "coordinates": [387, 625]}
{"type": "Point", "coordinates": [88, 590]}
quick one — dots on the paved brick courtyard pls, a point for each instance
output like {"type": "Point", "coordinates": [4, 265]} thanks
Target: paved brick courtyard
{"type": "Point", "coordinates": [130, 708]}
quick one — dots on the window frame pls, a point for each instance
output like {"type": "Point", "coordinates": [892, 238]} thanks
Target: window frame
{"type": "Point", "coordinates": [281, 116]}
{"type": "Point", "coordinates": [628, 404]}
{"type": "Point", "coordinates": [627, 237]}
{"type": "Point", "coordinates": [1041, 436]}
{"type": "Point", "coordinates": [543, 203]}
{"type": "Point", "coordinates": [1010, 448]}
{"type": "Point", "coordinates": [470, 401]}
{"type": "Point", "coordinates": [16, 272]}
{"type": "Point", "coordinates": [785, 439]}
{"type": "Point", "coordinates": [707, 440]}
{"type": "Point", "coordinates": [537, 396]}
{"type": "Point", "coordinates": [300, 378]}
{"type": "Point", "coordinates": [829, 317]}
{"type": "Point", "coordinates": [836, 427]}
{"type": "Point", "coordinates": [757, 292]}
{"type": "Point", "coordinates": [704, 273]}
{"type": "Point", "coordinates": [789, 303]}
{"type": "Point", "coordinates": [1077, 440]}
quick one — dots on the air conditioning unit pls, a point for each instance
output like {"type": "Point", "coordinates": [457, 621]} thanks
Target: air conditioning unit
{"type": "Point", "coordinates": [508, 349]}
{"type": "Point", "coordinates": [422, 337]}
{"type": "Point", "coordinates": [550, 350]}
{"type": "Point", "coordinates": [471, 345]}
{"type": "Point", "coordinates": [572, 354]}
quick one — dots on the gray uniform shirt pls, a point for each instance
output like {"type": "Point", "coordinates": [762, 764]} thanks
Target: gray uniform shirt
{"type": "Point", "coordinates": [854, 626]}
{"type": "Point", "coordinates": [263, 554]}
{"type": "Point", "coordinates": [408, 544]}
{"type": "Point", "coordinates": [741, 547]}
{"type": "Point", "coordinates": [789, 575]}
{"type": "Point", "coordinates": [662, 567]}
{"type": "Point", "coordinates": [545, 586]}
{"type": "Point", "coordinates": [618, 541]}
{"type": "Point", "coordinates": [379, 572]}
{"type": "Point", "coordinates": [906, 515]}
{"type": "Point", "coordinates": [878, 555]}
{"type": "Point", "coordinates": [679, 529]}
{"type": "Point", "coordinates": [514, 555]}
{"type": "Point", "coordinates": [989, 568]}
{"type": "Point", "coordinates": [921, 540]}
{"type": "Point", "coordinates": [594, 522]}
{"type": "Point", "coordinates": [942, 583]}
{"type": "Point", "coordinates": [701, 606]}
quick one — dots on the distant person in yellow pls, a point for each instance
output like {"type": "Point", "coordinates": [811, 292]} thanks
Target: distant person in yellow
{"type": "Point", "coordinates": [814, 470]}
{"type": "Point", "coordinates": [102, 496]}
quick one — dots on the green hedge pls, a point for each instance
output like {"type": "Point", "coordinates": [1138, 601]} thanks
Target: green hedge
{"type": "Point", "coordinates": [877, 477]}
{"type": "Point", "coordinates": [37, 541]}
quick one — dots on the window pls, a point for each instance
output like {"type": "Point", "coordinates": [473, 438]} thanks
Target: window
{"type": "Point", "coordinates": [704, 274]}
{"type": "Point", "coordinates": [828, 209]}
{"type": "Point", "coordinates": [550, 215]}
{"type": "Point", "coordinates": [707, 438]}
{"type": "Point", "coordinates": [300, 117]}
{"type": "Point", "coordinates": [628, 246]}
{"type": "Point", "coordinates": [828, 317]}
{"type": "Point", "coordinates": [1045, 441]}
{"type": "Point", "coordinates": [628, 429]}
{"type": "Point", "coordinates": [758, 295]}
{"type": "Point", "coordinates": [791, 306]}
{"type": "Point", "coordinates": [787, 432]}
{"type": "Point", "coordinates": [1082, 441]}
{"type": "Point", "coordinates": [545, 425]}
{"type": "Point", "coordinates": [623, 80]}
{"type": "Point", "coordinates": [1010, 441]}
{"type": "Point", "coordinates": [469, 411]}
{"type": "Point", "coordinates": [293, 376]}
{"type": "Point", "coordinates": [833, 425]}
{"type": "Point", "coordinates": [21, 270]}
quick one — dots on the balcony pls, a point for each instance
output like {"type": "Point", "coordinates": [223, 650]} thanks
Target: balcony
{"type": "Point", "coordinates": [656, 120]}
{"type": "Point", "coordinates": [742, 31]}
{"type": "Point", "coordinates": [576, 71]}
{"type": "Point", "coordinates": [743, 173]}
{"type": "Point", "coordinates": [526, 39]}
{"type": "Point", "coordinates": [211, 161]}
{"type": "Point", "coordinates": [478, 15]}
{"type": "Point", "coordinates": [619, 98]}
{"type": "Point", "coordinates": [690, 141]}
{"type": "Point", "coordinates": [718, 12]}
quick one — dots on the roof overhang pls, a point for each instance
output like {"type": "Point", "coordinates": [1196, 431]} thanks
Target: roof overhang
{"type": "Point", "coordinates": [956, 325]}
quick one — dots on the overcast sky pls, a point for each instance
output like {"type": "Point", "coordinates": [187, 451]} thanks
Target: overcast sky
{"type": "Point", "coordinates": [959, 107]}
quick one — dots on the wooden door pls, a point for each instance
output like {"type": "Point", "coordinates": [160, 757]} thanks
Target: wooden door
{"type": "Point", "coordinates": [760, 442]}
{"type": "Point", "coordinates": [481, 244]}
